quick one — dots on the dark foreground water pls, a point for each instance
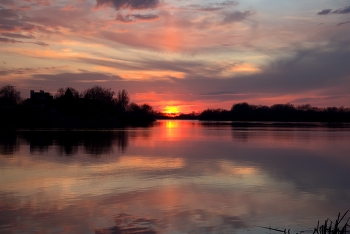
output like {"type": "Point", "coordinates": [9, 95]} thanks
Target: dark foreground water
{"type": "Point", "coordinates": [174, 177]}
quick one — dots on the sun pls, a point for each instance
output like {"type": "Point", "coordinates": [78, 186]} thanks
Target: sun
{"type": "Point", "coordinates": [171, 111]}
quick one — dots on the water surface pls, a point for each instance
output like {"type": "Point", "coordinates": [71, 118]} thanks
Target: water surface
{"type": "Point", "coordinates": [173, 177]}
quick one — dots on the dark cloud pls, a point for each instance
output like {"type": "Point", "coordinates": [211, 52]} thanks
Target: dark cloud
{"type": "Point", "coordinates": [17, 35]}
{"type": "Point", "coordinates": [236, 16]}
{"type": "Point", "coordinates": [146, 17]}
{"type": "Point", "coordinates": [129, 4]}
{"type": "Point", "coordinates": [220, 93]}
{"type": "Point", "coordinates": [28, 27]}
{"type": "Point", "coordinates": [7, 3]}
{"type": "Point", "coordinates": [7, 40]}
{"type": "Point", "coordinates": [51, 20]}
{"type": "Point", "coordinates": [10, 25]}
{"type": "Point", "coordinates": [324, 12]}
{"type": "Point", "coordinates": [131, 18]}
{"type": "Point", "coordinates": [7, 28]}
{"type": "Point", "coordinates": [204, 8]}
{"type": "Point", "coordinates": [152, 64]}
{"type": "Point", "coordinates": [4, 72]}
{"type": "Point", "coordinates": [8, 14]}
{"type": "Point", "coordinates": [213, 6]}
{"type": "Point", "coordinates": [343, 23]}
{"type": "Point", "coordinates": [39, 2]}
{"type": "Point", "coordinates": [28, 70]}
{"type": "Point", "coordinates": [322, 69]}
{"type": "Point", "coordinates": [344, 10]}
{"type": "Point", "coordinates": [40, 43]}
{"type": "Point", "coordinates": [73, 78]}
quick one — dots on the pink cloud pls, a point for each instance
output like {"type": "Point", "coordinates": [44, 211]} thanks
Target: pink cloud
{"type": "Point", "coordinates": [69, 8]}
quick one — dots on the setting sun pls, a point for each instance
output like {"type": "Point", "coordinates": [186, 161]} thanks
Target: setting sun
{"type": "Point", "coordinates": [171, 111]}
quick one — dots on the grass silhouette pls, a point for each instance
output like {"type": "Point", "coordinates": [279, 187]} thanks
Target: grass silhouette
{"type": "Point", "coordinates": [329, 226]}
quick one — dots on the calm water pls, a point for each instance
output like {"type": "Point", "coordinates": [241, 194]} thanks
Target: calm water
{"type": "Point", "coordinates": [173, 177]}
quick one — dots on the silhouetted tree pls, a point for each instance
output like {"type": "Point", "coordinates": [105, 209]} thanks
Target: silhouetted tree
{"type": "Point", "coordinates": [123, 100]}
{"type": "Point", "coordinates": [97, 93]}
{"type": "Point", "coordinates": [9, 96]}
{"type": "Point", "coordinates": [279, 112]}
{"type": "Point", "coordinates": [147, 109]}
{"type": "Point", "coordinates": [213, 114]}
{"type": "Point", "coordinates": [133, 107]}
{"type": "Point", "coordinates": [68, 93]}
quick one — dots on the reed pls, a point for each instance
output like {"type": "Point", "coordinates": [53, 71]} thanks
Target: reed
{"type": "Point", "coordinates": [336, 227]}
{"type": "Point", "coordinates": [329, 227]}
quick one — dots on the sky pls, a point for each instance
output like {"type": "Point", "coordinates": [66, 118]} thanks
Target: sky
{"type": "Point", "coordinates": [186, 54]}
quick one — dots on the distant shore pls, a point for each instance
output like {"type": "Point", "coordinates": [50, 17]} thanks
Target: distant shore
{"type": "Point", "coordinates": [286, 113]}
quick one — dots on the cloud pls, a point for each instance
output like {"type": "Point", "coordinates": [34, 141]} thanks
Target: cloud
{"type": "Point", "coordinates": [213, 6]}
{"type": "Point", "coordinates": [131, 18]}
{"type": "Point", "coordinates": [236, 16]}
{"type": "Point", "coordinates": [128, 4]}
{"type": "Point", "coordinates": [17, 35]}
{"type": "Point", "coordinates": [40, 2]}
{"type": "Point", "coordinates": [343, 23]}
{"type": "Point", "coordinates": [30, 71]}
{"type": "Point", "coordinates": [146, 17]}
{"type": "Point", "coordinates": [324, 12]}
{"type": "Point", "coordinates": [7, 28]}
{"type": "Point", "coordinates": [7, 25]}
{"type": "Point", "coordinates": [318, 69]}
{"type": "Point", "coordinates": [7, 3]}
{"type": "Point", "coordinates": [40, 43]}
{"type": "Point", "coordinates": [344, 10]}
{"type": "Point", "coordinates": [8, 14]}
{"type": "Point", "coordinates": [7, 40]}
{"type": "Point", "coordinates": [69, 8]}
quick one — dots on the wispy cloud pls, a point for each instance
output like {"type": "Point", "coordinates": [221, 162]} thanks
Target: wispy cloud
{"type": "Point", "coordinates": [236, 16]}
{"type": "Point", "coordinates": [132, 18]}
{"type": "Point", "coordinates": [344, 10]}
{"type": "Point", "coordinates": [213, 6]}
{"type": "Point", "coordinates": [128, 4]}
{"type": "Point", "coordinates": [324, 12]}
{"type": "Point", "coordinates": [8, 14]}
{"type": "Point", "coordinates": [342, 23]}
{"type": "Point", "coordinates": [18, 35]}
{"type": "Point", "coordinates": [7, 40]}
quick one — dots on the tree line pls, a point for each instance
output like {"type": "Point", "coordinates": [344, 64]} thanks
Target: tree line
{"type": "Point", "coordinates": [94, 107]}
{"type": "Point", "coordinates": [102, 107]}
{"type": "Point", "coordinates": [278, 113]}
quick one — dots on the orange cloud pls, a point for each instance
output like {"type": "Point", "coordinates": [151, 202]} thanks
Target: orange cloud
{"type": "Point", "coordinates": [245, 68]}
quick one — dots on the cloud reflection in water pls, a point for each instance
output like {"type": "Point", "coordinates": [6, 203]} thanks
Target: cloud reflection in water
{"type": "Point", "coordinates": [200, 178]}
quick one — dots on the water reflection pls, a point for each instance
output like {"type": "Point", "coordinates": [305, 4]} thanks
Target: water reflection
{"type": "Point", "coordinates": [127, 223]}
{"type": "Point", "coordinates": [8, 143]}
{"type": "Point", "coordinates": [67, 142]}
{"type": "Point", "coordinates": [175, 177]}
{"type": "Point", "coordinates": [299, 155]}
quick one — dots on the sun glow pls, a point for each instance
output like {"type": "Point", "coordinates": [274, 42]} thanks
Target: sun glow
{"type": "Point", "coordinates": [171, 111]}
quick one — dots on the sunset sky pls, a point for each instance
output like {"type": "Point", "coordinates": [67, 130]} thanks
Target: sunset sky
{"type": "Point", "coordinates": [189, 54]}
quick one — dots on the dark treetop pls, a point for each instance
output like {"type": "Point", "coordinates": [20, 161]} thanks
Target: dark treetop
{"type": "Point", "coordinates": [94, 107]}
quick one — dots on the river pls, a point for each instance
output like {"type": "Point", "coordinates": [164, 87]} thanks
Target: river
{"type": "Point", "coordinates": [173, 177]}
